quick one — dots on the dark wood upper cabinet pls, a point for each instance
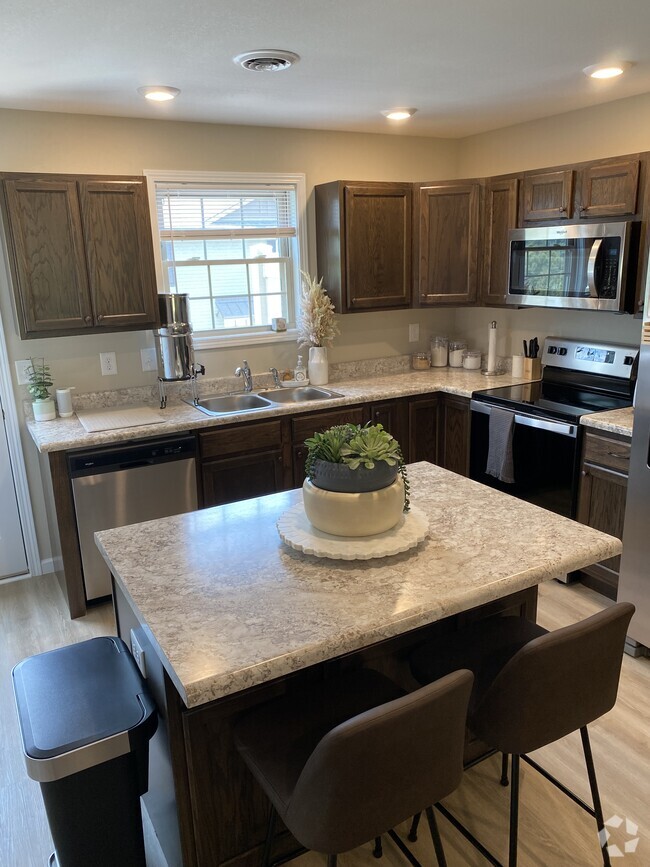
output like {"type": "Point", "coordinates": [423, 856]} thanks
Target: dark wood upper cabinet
{"type": "Point", "coordinates": [548, 196]}
{"type": "Point", "coordinates": [81, 253]}
{"type": "Point", "coordinates": [364, 244]}
{"type": "Point", "coordinates": [499, 217]}
{"type": "Point", "coordinates": [447, 242]}
{"type": "Point", "coordinates": [609, 189]}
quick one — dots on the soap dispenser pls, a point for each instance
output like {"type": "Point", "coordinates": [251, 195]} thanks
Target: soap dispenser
{"type": "Point", "coordinates": [300, 373]}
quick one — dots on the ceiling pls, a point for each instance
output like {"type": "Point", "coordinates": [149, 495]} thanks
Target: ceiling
{"type": "Point", "coordinates": [468, 66]}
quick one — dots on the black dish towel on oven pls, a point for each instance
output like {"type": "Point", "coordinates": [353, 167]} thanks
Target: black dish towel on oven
{"type": "Point", "coordinates": [499, 459]}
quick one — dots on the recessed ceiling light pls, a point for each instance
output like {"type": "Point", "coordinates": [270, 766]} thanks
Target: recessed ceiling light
{"type": "Point", "coordinates": [267, 60]}
{"type": "Point", "coordinates": [606, 70]}
{"type": "Point", "coordinates": [399, 113]}
{"type": "Point", "coordinates": [158, 92]}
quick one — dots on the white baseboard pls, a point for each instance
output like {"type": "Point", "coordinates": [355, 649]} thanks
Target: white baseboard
{"type": "Point", "coordinates": [51, 564]}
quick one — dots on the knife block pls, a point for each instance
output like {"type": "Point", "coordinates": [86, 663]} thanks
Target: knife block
{"type": "Point", "coordinates": [533, 368]}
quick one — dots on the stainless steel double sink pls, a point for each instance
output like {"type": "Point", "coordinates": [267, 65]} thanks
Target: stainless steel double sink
{"type": "Point", "coordinates": [231, 404]}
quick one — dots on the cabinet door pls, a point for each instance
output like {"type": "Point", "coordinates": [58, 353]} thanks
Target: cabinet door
{"type": "Point", "coordinates": [393, 416]}
{"type": "Point", "coordinates": [499, 216]}
{"type": "Point", "coordinates": [47, 258]}
{"type": "Point", "coordinates": [453, 450]}
{"type": "Point", "coordinates": [609, 190]}
{"type": "Point", "coordinates": [423, 430]}
{"type": "Point", "coordinates": [548, 196]}
{"type": "Point", "coordinates": [601, 505]}
{"type": "Point", "coordinates": [448, 243]}
{"type": "Point", "coordinates": [377, 245]}
{"type": "Point", "coordinates": [228, 480]}
{"type": "Point", "coordinates": [119, 252]}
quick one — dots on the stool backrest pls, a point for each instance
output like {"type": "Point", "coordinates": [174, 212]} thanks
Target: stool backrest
{"type": "Point", "coordinates": [380, 767]}
{"type": "Point", "coordinates": [555, 684]}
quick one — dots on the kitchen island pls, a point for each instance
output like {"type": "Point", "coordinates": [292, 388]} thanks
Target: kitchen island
{"type": "Point", "coordinates": [229, 616]}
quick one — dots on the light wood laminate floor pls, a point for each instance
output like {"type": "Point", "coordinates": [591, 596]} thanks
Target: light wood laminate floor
{"type": "Point", "coordinates": [553, 831]}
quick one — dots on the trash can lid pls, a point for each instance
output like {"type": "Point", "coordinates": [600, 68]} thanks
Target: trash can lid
{"type": "Point", "coordinates": [77, 695]}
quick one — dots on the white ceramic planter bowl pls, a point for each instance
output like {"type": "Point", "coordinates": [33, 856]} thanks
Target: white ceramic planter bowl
{"type": "Point", "coordinates": [355, 515]}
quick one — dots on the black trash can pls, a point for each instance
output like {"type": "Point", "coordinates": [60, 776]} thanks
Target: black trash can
{"type": "Point", "coordinates": [86, 719]}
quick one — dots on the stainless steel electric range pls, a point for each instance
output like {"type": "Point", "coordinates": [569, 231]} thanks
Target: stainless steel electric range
{"type": "Point", "coordinates": [578, 377]}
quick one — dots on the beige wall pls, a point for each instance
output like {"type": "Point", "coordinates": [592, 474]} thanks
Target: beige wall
{"type": "Point", "coordinates": [49, 142]}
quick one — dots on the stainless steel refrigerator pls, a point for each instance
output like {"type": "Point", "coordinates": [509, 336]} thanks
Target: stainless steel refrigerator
{"type": "Point", "coordinates": [634, 583]}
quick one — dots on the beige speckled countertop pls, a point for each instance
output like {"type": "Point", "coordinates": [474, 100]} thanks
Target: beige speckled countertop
{"type": "Point", "coordinates": [230, 606]}
{"type": "Point", "coordinates": [68, 433]}
{"type": "Point", "coordinates": [618, 421]}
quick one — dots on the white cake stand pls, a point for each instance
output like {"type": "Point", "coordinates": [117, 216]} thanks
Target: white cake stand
{"type": "Point", "coordinates": [296, 531]}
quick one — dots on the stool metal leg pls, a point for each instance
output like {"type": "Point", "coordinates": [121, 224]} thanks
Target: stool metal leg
{"type": "Point", "coordinates": [270, 833]}
{"type": "Point", "coordinates": [378, 850]}
{"type": "Point", "coordinates": [504, 769]}
{"type": "Point", "coordinates": [514, 812]}
{"type": "Point", "coordinates": [598, 810]}
{"type": "Point", "coordinates": [413, 833]}
{"type": "Point", "coordinates": [435, 836]}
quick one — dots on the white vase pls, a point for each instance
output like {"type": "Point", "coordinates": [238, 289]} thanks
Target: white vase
{"type": "Point", "coordinates": [318, 366]}
{"type": "Point", "coordinates": [44, 409]}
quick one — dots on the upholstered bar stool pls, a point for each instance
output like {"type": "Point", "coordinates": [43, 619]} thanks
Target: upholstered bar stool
{"type": "Point", "coordinates": [533, 687]}
{"type": "Point", "coordinates": [347, 759]}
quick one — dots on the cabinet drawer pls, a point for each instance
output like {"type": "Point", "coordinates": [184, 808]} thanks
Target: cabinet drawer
{"type": "Point", "coordinates": [307, 425]}
{"type": "Point", "coordinates": [240, 438]}
{"type": "Point", "coordinates": [607, 452]}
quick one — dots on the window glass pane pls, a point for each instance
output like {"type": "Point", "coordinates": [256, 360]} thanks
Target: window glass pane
{"type": "Point", "coordinates": [267, 248]}
{"type": "Point", "coordinates": [184, 250]}
{"type": "Point", "coordinates": [194, 280]}
{"type": "Point", "coordinates": [225, 248]}
{"type": "Point", "coordinates": [201, 314]}
{"type": "Point", "coordinates": [228, 279]}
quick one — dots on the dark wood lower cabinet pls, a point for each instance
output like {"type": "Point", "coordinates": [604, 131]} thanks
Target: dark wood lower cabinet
{"type": "Point", "coordinates": [453, 446]}
{"type": "Point", "coordinates": [601, 502]}
{"type": "Point", "coordinates": [228, 480]}
{"type": "Point", "coordinates": [423, 429]}
{"type": "Point", "coordinates": [392, 415]}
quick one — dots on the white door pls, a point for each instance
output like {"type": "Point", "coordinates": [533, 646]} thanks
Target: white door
{"type": "Point", "coordinates": [13, 560]}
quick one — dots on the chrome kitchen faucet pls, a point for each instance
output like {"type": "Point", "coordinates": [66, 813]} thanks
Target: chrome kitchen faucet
{"type": "Point", "coordinates": [245, 371]}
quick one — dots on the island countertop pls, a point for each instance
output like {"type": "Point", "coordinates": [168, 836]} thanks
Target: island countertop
{"type": "Point", "coordinates": [228, 605]}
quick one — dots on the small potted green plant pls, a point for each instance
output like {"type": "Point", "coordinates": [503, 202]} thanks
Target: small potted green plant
{"type": "Point", "coordinates": [356, 482]}
{"type": "Point", "coordinates": [40, 382]}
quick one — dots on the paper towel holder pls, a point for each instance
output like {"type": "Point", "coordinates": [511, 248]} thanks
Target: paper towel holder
{"type": "Point", "coordinates": [492, 338]}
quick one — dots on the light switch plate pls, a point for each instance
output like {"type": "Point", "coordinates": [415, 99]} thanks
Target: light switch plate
{"type": "Point", "coordinates": [414, 333]}
{"type": "Point", "coordinates": [149, 360]}
{"type": "Point", "coordinates": [22, 366]}
{"type": "Point", "coordinates": [108, 363]}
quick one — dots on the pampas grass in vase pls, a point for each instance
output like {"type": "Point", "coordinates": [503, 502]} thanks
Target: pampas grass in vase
{"type": "Point", "coordinates": [317, 327]}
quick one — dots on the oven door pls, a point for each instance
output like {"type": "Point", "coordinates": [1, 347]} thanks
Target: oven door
{"type": "Point", "coordinates": [545, 457]}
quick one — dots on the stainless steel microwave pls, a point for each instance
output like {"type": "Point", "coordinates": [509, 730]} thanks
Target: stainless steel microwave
{"type": "Point", "coordinates": [576, 266]}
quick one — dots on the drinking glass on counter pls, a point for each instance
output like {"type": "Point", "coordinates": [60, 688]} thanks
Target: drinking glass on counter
{"type": "Point", "coordinates": [456, 350]}
{"type": "Point", "coordinates": [439, 351]}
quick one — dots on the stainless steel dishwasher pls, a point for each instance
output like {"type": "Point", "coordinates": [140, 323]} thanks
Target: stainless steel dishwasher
{"type": "Point", "coordinates": [127, 484]}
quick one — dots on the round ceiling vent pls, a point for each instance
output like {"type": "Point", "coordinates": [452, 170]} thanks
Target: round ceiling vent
{"type": "Point", "coordinates": [267, 60]}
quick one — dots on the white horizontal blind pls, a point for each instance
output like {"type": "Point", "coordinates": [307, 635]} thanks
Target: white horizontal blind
{"type": "Point", "coordinates": [233, 250]}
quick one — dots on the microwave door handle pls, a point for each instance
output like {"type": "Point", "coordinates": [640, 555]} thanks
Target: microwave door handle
{"type": "Point", "coordinates": [591, 268]}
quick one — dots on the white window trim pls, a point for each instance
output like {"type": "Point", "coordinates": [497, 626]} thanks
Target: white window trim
{"type": "Point", "coordinates": [215, 341]}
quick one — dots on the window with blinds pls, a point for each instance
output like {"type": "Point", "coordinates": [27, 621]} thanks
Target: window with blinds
{"type": "Point", "coordinates": [234, 249]}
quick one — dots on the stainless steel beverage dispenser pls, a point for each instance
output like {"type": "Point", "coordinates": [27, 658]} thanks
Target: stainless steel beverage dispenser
{"type": "Point", "coordinates": [174, 348]}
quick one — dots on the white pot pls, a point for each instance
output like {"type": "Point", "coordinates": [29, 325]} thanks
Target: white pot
{"type": "Point", "coordinates": [363, 514]}
{"type": "Point", "coordinates": [318, 366]}
{"type": "Point", "coordinates": [44, 409]}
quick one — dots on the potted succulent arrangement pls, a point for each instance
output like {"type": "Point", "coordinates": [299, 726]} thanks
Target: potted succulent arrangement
{"type": "Point", "coordinates": [356, 484]}
{"type": "Point", "coordinates": [317, 327]}
{"type": "Point", "coordinates": [40, 381]}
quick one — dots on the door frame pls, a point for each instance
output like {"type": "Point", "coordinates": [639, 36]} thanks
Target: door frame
{"type": "Point", "coordinates": [16, 456]}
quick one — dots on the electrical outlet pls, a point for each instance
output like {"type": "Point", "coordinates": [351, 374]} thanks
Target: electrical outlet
{"type": "Point", "coordinates": [108, 363]}
{"type": "Point", "coordinates": [22, 367]}
{"type": "Point", "coordinates": [138, 653]}
{"type": "Point", "coordinates": [414, 333]}
{"type": "Point", "coordinates": [149, 360]}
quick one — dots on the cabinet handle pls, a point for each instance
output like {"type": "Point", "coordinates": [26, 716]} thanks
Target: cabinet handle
{"type": "Point", "coordinates": [562, 210]}
{"type": "Point", "coordinates": [100, 316]}
{"type": "Point", "coordinates": [616, 455]}
{"type": "Point", "coordinates": [376, 413]}
{"type": "Point", "coordinates": [88, 320]}
{"type": "Point", "coordinates": [583, 208]}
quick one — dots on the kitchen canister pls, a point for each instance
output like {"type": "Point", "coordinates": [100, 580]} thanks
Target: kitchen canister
{"type": "Point", "coordinates": [472, 359]}
{"type": "Point", "coordinates": [64, 401]}
{"type": "Point", "coordinates": [420, 361]}
{"type": "Point", "coordinates": [456, 350]}
{"type": "Point", "coordinates": [439, 349]}
{"type": "Point", "coordinates": [517, 365]}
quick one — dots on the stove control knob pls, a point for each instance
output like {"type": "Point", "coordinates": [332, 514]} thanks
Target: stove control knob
{"type": "Point", "coordinates": [552, 350]}
{"type": "Point", "coordinates": [562, 350]}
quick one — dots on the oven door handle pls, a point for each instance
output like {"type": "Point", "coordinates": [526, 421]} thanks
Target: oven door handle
{"type": "Point", "coordinates": [546, 424]}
